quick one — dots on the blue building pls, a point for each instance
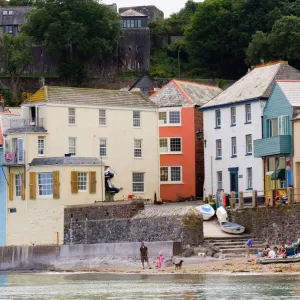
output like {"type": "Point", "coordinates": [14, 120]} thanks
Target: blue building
{"type": "Point", "coordinates": [276, 146]}
{"type": "Point", "coordinates": [3, 186]}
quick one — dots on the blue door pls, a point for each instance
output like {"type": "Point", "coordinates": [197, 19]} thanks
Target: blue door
{"type": "Point", "coordinates": [234, 179]}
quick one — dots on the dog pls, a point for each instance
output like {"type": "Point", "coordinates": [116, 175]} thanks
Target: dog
{"type": "Point", "coordinates": [202, 254]}
{"type": "Point", "coordinates": [178, 265]}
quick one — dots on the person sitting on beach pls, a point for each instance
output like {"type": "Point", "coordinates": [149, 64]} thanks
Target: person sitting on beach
{"type": "Point", "coordinates": [272, 253]}
{"type": "Point", "coordinates": [260, 253]}
{"type": "Point", "coordinates": [282, 250]}
{"type": "Point", "coordinates": [266, 250]}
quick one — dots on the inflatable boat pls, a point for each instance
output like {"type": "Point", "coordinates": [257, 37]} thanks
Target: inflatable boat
{"type": "Point", "coordinates": [206, 210]}
{"type": "Point", "coordinates": [226, 226]}
{"type": "Point", "coordinates": [280, 260]}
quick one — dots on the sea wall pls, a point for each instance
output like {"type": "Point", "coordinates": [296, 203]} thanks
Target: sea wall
{"type": "Point", "coordinates": [131, 222]}
{"type": "Point", "coordinates": [270, 224]}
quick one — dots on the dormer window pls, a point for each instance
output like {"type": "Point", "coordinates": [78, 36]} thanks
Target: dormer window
{"type": "Point", "coordinates": [5, 13]}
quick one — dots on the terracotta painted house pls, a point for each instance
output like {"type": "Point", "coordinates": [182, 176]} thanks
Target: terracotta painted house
{"type": "Point", "coordinates": [180, 138]}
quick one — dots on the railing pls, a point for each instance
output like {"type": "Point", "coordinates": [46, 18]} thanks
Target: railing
{"type": "Point", "coordinates": [20, 122]}
{"type": "Point", "coordinates": [14, 158]}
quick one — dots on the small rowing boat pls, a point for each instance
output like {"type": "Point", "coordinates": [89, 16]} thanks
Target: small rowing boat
{"type": "Point", "coordinates": [206, 210]}
{"type": "Point", "coordinates": [280, 260]}
{"type": "Point", "coordinates": [226, 226]}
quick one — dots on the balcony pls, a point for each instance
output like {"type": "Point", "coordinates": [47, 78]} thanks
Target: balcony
{"type": "Point", "coordinates": [20, 123]}
{"type": "Point", "coordinates": [16, 158]}
{"type": "Point", "coordinates": [275, 145]}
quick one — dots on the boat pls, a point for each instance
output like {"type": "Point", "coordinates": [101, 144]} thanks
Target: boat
{"type": "Point", "coordinates": [206, 210]}
{"type": "Point", "coordinates": [280, 260]}
{"type": "Point", "coordinates": [227, 226]}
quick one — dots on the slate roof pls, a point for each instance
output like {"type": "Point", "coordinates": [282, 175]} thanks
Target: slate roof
{"type": "Point", "coordinates": [68, 161]}
{"type": "Point", "coordinates": [184, 93]}
{"type": "Point", "coordinates": [132, 13]}
{"type": "Point", "coordinates": [28, 129]}
{"type": "Point", "coordinates": [91, 97]}
{"type": "Point", "coordinates": [256, 84]}
{"type": "Point", "coordinates": [291, 89]}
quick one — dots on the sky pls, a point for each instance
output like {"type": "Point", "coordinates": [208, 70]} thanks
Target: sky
{"type": "Point", "coordinates": [167, 6]}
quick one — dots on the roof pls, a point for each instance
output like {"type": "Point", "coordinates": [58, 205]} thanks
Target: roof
{"type": "Point", "coordinates": [90, 97]}
{"type": "Point", "coordinates": [26, 129]}
{"type": "Point", "coordinates": [256, 84]}
{"type": "Point", "coordinates": [143, 81]}
{"type": "Point", "coordinates": [184, 93]}
{"type": "Point", "coordinates": [132, 13]}
{"type": "Point", "coordinates": [291, 90]}
{"type": "Point", "coordinates": [68, 161]}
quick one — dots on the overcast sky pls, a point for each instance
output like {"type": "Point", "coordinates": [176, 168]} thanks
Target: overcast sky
{"type": "Point", "coordinates": [167, 6]}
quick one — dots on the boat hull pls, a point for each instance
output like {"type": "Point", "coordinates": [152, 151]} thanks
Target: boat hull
{"type": "Point", "coordinates": [232, 228]}
{"type": "Point", "coordinates": [206, 211]}
{"type": "Point", "coordinates": [279, 260]}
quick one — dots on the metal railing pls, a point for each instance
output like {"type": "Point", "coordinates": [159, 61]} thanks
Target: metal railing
{"type": "Point", "coordinates": [21, 122]}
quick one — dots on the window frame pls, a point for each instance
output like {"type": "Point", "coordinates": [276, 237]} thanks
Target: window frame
{"type": "Point", "coordinates": [168, 139]}
{"type": "Point", "coordinates": [218, 121]}
{"type": "Point", "coordinates": [47, 184]}
{"type": "Point", "coordinates": [249, 179]}
{"type": "Point", "coordinates": [233, 147]}
{"type": "Point", "coordinates": [41, 138]}
{"type": "Point", "coordinates": [247, 145]}
{"type": "Point", "coordinates": [18, 186]}
{"type": "Point", "coordinates": [166, 121]}
{"type": "Point", "coordinates": [219, 182]}
{"type": "Point", "coordinates": [138, 149]}
{"type": "Point", "coordinates": [75, 145]}
{"type": "Point", "coordinates": [135, 119]}
{"type": "Point", "coordinates": [233, 115]}
{"type": "Point", "coordinates": [102, 117]}
{"type": "Point", "coordinates": [138, 182]}
{"type": "Point", "coordinates": [103, 147]}
{"type": "Point", "coordinates": [70, 116]}
{"type": "Point", "coordinates": [219, 149]}
{"type": "Point", "coordinates": [80, 183]}
{"type": "Point", "coordinates": [248, 113]}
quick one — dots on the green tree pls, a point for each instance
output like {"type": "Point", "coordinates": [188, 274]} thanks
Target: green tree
{"type": "Point", "coordinates": [21, 2]}
{"type": "Point", "coordinates": [15, 55]}
{"type": "Point", "coordinates": [76, 30]}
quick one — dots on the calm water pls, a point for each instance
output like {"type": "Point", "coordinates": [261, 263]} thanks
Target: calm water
{"type": "Point", "coordinates": [188, 287]}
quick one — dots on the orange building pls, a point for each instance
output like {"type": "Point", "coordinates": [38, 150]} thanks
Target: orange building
{"type": "Point", "coordinates": [181, 138]}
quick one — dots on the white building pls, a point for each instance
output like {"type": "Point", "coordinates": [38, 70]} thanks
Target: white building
{"type": "Point", "coordinates": [232, 121]}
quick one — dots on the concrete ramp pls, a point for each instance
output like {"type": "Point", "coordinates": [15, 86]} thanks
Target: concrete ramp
{"type": "Point", "coordinates": [212, 229]}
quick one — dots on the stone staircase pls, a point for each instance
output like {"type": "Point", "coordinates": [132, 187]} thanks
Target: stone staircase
{"type": "Point", "coordinates": [233, 247]}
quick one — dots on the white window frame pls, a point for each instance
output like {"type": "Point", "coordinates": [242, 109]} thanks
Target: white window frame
{"type": "Point", "coordinates": [283, 125]}
{"type": "Point", "coordinates": [72, 146]}
{"type": "Point", "coordinates": [18, 185]}
{"type": "Point", "coordinates": [71, 116]}
{"type": "Point", "coordinates": [219, 148]}
{"type": "Point", "coordinates": [103, 147]}
{"type": "Point", "coordinates": [10, 12]}
{"type": "Point", "coordinates": [249, 146]}
{"type": "Point", "coordinates": [233, 115]}
{"type": "Point", "coordinates": [136, 182]}
{"type": "Point", "coordinates": [167, 120]}
{"type": "Point", "coordinates": [233, 147]}
{"type": "Point", "coordinates": [41, 146]}
{"type": "Point", "coordinates": [169, 145]}
{"type": "Point", "coordinates": [138, 149]}
{"type": "Point", "coordinates": [248, 116]}
{"type": "Point", "coordinates": [48, 185]}
{"type": "Point", "coordinates": [219, 180]}
{"type": "Point", "coordinates": [102, 117]}
{"type": "Point", "coordinates": [169, 175]}
{"type": "Point", "coordinates": [82, 184]}
{"type": "Point", "coordinates": [218, 118]}
{"type": "Point", "coordinates": [249, 179]}
{"type": "Point", "coordinates": [5, 13]}
{"type": "Point", "coordinates": [136, 121]}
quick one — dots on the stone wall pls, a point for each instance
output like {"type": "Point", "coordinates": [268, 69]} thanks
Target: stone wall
{"type": "Point", "coordinates": [129, 222]}
{"type": "Point", "coordinates": [270, 224]}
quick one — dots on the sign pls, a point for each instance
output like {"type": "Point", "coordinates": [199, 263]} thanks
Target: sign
{"type": "Point", "coordinates": [240, 176]}
{"type": "Point", "coordinates": [287, 163]}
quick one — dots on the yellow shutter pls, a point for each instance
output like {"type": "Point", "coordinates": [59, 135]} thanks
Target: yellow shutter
{"type": "Point", "coordinates": [56, 185]}
{"type": "Point", "coordinates": [23, 186]}
{"type": "Point", "coordinates": [11, 186]}
{"type": "Point", "coordinates": [74, 182]}
{"type": "Point", "coordinates": [32, 185]}
{"type": "Point", "coordinates": [92, 178]}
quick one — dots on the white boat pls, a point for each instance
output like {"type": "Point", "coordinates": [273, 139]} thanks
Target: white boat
{"type": "Point", "coordinates": [227, 226]}
{"type": "Point", "coordinates": [206, 210]}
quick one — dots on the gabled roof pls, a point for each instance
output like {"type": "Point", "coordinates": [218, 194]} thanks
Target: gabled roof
{"type": "Point", "coordinates": [184, 93]}
{"type": "Point", "coordinates": [132, 13]}
{"type": "Point", "coordinates": [68, 161]}
{"type": "Point", "coordinates": [291, 90]}
{"type": "Point", "coordinates": [90, 97]}
{"type": "Point", "coordinates": [256, 84]}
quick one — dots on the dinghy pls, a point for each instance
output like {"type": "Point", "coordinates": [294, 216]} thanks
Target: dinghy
{"type": "Point", "coordinates": [226, 226]}
{"type": "Point", "coordinates": [280, 260]}
{"type": "Point", "coordinates": [206, 210]}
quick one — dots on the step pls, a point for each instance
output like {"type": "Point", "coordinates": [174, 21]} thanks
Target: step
{"type": "Point", "coordinates": [235, 243]}
{"type": "Point", "coordinates": [226, 240]}
{"type": "Point", "coordinates": [237, 246]}
{"type": "Point", "coordinates": [238, 250]}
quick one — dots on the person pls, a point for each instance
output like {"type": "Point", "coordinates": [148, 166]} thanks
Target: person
{"type": "Point", "coordinates": [248, 246]}
{"type": "Point", "coordinates": [282, 250]}
{"type": "Point", "coordinates": [260, 253]}
{"type": "Point", "coordinates": [266, 250]}
{"type": "Point", "coordinates": [159, 261]}
{"type": "Point", "coordinates": [109, 187]}
{"type": "Point", "coordinates": [144, 255]}
{"type": "Point", "coordinates": [272, 253]}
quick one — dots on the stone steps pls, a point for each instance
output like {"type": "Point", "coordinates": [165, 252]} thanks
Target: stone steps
{"type": "Point", "coordinates": [256, 246]}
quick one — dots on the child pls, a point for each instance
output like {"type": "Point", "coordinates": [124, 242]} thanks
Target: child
{"type": "Point", "coordinates": [159, 261]}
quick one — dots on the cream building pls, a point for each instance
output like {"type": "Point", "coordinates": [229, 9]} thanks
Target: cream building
{"type": "Point", "coordinates": [97, 128]}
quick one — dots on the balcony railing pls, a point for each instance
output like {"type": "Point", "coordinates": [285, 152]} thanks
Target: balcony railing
{"type": "Point", "coordinates": [14, 158]}
{"type": "Point", "coordinates": [20, 122]}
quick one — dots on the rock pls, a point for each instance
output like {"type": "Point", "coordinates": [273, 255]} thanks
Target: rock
{"type": "Point", "coordinates": [188, 252]}
{"type": "Point", "coordinates": [217, 255]}
{"type": "Point", "coordinates": [200, 250]}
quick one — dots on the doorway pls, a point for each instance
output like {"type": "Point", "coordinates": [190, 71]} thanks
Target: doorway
{"type": "Point", "coordinates": [234, 179]}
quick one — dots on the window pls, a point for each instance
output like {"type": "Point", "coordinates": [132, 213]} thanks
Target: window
{"type": "Point", "coordinates": [102, 148]}
{"type": "Point", "coordinates": [249, 178]}
{"type": "Point", "coordinates": [45, 181]}
{"type": "Point", "coordinates": [163, 145]}
{"type": "Point", "coordinates": [171, 174]}
{"type": "Point", "coordinates": [220, 180]}
{"type": "Point", "coordinates": [168, 145]}
{"type": "Point", "coordinates": [233, 146]}
{"type": "Point", "coordinates": [249, 144]}
{"type": "Point", "coordinates": [8, 29]}
{"type": "Point", "coordinates": [41, 145]}
{"type": "Point", "coordinates": [138, 182]}
{"type": "Point", "coordinates": [4, 13]}
{"type": "Point", "coordinates": [72, 117]}
{"type": "Point", "coordinates": [102, 117]}
{"type": "Point", "coordinates": [10, 12]}
{"type": "Point", "coordinates": [175, 144]}
{"type": "Point", "coordinates": [82, 181]}
{"type": "Point", "coordinates": [136, 119]}
{"type": "Point", "coordinates": [248, 113]}
{"type": "Point", "coordinates": [139, 23]}
{"type": "Point", "coordinates": [137, 148]}
{"type": "Point", "coordinates": [218, 148]}
{"type": "Point", "coordinates": [174, 117]}
{"type": "Point", "coordinates": [279, 126]}
{"type": "Point", "coordinates": [218, 118]}
{"type": "Point", "coordinates": [72, 146]}
{"type": "Point", "coordinates": [233, 115]}
{"type": "Point", "coordinates": [162, 117]}
{"type": "Point", "coordinates": [18, 185]}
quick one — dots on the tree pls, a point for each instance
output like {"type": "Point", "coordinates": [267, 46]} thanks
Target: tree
{"type": "Point", "coordinates": [21, 2]}
{"type": "Point", "coordinates": [15, 55]}
{"type": "Point", "coordinates": [77, 30]}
